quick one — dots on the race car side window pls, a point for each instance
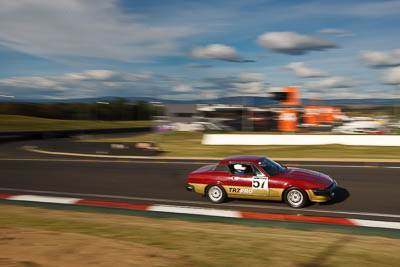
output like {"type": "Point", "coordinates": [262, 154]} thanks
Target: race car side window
{"type": "Point", "coordinates": [247, 169]}
{"type": "Point", "coordinates": [231, 168]}
{"type": "Point", "coordinates": [222, 168]}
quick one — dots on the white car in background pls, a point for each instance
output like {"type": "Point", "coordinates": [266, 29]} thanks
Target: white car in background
{"type": "Point", "coordinates": [361, 127]}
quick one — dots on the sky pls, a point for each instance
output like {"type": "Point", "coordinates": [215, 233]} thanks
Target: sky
{"type": "Point", "coordinates": [57, 49]}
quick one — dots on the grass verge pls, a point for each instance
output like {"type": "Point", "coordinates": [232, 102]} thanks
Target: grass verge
{"type": "Point", "coordinates": [16, 123]}
{"type": "Point", "coordinates": [205, 244]}
{"type": "Point", "coordinates": [188, 144]}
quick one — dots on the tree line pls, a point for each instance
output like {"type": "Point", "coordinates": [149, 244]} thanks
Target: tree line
{"type": "Point", "coordinates": [116, 110]}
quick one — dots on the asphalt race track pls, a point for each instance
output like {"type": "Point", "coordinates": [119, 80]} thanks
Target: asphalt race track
{"type": "Point", "coordinates": [366, 190]}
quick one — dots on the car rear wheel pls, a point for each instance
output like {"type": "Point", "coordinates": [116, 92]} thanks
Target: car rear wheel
{"type": "Point", "coordinates": [216, 194]}
{"type": "Point", "coordinates": [296, 197]}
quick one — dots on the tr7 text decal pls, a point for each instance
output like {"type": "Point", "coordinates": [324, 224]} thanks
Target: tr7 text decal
{"type": "Point", "coordinates": [240, 190]}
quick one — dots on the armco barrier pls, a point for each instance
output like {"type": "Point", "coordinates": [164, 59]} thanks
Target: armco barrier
{"type": "Point", "coordinates": [277, 139]}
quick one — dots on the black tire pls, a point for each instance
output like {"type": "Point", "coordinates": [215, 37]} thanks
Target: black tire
{"type": "Point", "coordinates": [295, 197]}
{"type": "Point", "coordinates": [216, 194]}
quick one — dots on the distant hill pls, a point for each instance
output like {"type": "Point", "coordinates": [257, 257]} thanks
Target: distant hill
{"type": "Point", "coordinates": [367, 101]}
{"type": "Point", "coordinates": [236, 100]}
{"type": "Point", "coordinates": [78, 100]}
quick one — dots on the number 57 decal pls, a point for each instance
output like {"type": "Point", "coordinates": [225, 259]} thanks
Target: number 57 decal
{"type": "Point", "coordinates": [259, 182]}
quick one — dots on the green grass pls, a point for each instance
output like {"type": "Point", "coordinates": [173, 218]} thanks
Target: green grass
{"type": "Point", "coordinates": [15, 123]}
{"type": "Point", "coordinates": [187, 144]}
{"type": "Point", "coordinates": [214, 244]}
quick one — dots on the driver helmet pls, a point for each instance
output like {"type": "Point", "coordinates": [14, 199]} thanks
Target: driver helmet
{"type": "Point", "coordinates": [239, 167]}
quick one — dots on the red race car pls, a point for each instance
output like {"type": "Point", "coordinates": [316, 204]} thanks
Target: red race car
{"type": "Point", "coordinates": [258, 177]}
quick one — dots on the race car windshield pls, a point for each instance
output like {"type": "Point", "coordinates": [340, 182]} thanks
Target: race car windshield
{"type": "Point", "coordinates": [271, 167]}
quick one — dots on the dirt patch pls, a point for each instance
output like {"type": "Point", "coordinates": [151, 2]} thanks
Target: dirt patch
{"type": "Point", "coordinates": [35, 247]}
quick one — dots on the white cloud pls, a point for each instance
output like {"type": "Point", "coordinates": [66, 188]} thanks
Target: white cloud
{"type": "Point", "coordinates": [7, 96]}
{"type": "Point", "coordinates": [251, 77]}
{"type": "Point", "coordinates": [29, 82]}
{"type": "Point", "coordinates": [302, 71]}
{"type": "Point", "coordinates": [331, 82]}
{"type": "Point", "coordinates": [243, 83]}
{"type": "Point", "coordinates": [182, 88]}
{"type": "Point", "coordinates": [250, 88]}
{"type": "Point", "coordinates": [292, 43]}
{"type": "Point", "coordinates": [331, 31]}
{"type": "Point", "coordinates": [91, 75]}
{"type": "Point", "coordinates": [90, 28]}
{"type": "Point", "coordinates": [105, 75]}
{"type": "Point", "coordinates": [209, 94]}
{"type": "Point", "coordinates": [138, 76]}
{"type": "Point", "coordinates": [77, 84]}
{"type": "Point", "coordinates": [391, 76]}
{"type": "Point", "coordinates": [100, 75]}
{"type": "Point", "coordinates": [337, 32]}
{"type": "Point", "coordinates": [217, 51]}
{"type": "Point", "coordinates": [381, 59]}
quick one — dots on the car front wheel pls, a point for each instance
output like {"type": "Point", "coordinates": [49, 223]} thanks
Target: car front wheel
{"type": "Point", "coordinates": [296, 197]}
{"type": "Point", "coordinates": [216, 194]}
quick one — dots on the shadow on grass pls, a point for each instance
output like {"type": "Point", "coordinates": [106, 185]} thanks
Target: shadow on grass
{"type": "Point", "coordinates": [325, 256]}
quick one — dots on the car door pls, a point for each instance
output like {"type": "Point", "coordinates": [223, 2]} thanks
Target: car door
{"type": "Point", "coordinates": [259, 182]}
{"type": "Point", "coordinates": [251, 183]}
{"type": "Point", "coordinates": [238, 184]}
